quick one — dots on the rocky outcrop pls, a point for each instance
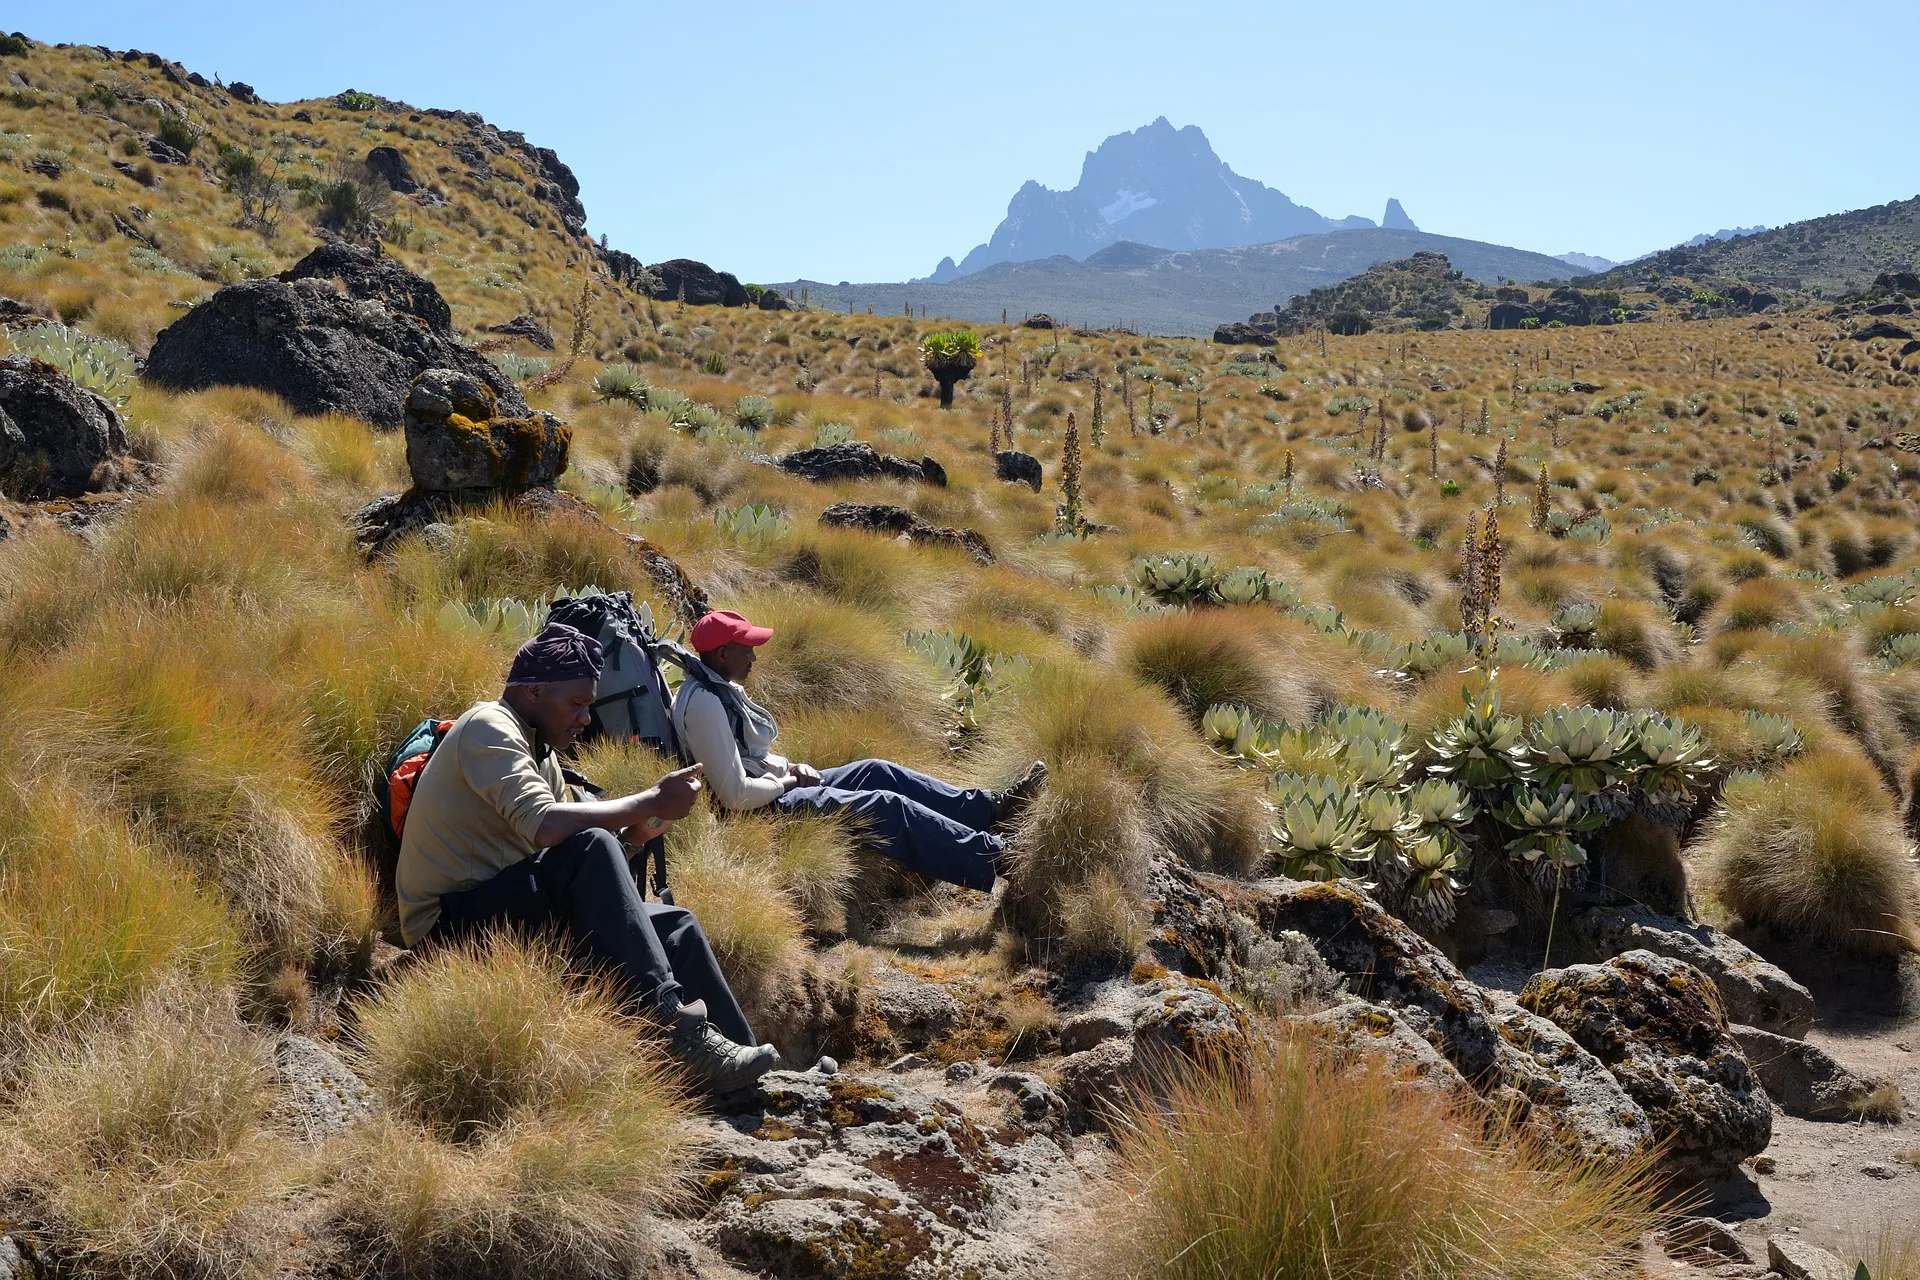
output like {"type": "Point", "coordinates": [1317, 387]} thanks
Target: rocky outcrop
{"type": "Point", "coordinates": [1240, 332]}
{"type": "Point", "coordinates": [1038, 320]}
{"type": "Point", "coordinates": [880, 517]}
{"type": "Point", "coordinates": [1523, 1064]}
{"type": "Point", "coordinates": [57, 439]}
{"type": "Point", "coordinates": [1016, 467]}
{"type": "Point", "coordinates": [388, 165]}
{"type": "Point", "coordinates": [1658, 1026]}
{"type": "Point", "coordinates": [1879, 329]}
{"type": "Point", "coordinates": [1133, 1033]}
{"type": "Point", "coordinates": [323, 350]}
{"type": "Point", "coordinates": [317, 1095]}
{"type": "Point", "coordinates": [683, 279]}
{"type": "Point", "coordinates": [1802, 1079]}
{"type": "Point", "coordinates": [1510, 315]}
{"type": "Point", "coordinates": [525, 326]}
{"type": "Point", "coordinates": [457, 442]}
{"type": "Point", "coordinates": [835, 1177]}
{"type": "Point", "coordinates": [368, 275]}
{"type": "Point", "coordinates": [856, 460]}
{"type": "Point", "coordinates": [1753, 990]}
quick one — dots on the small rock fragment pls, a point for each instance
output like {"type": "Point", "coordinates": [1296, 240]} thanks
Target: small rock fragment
{"type": "Point", "coordinates": [1798, 1260]}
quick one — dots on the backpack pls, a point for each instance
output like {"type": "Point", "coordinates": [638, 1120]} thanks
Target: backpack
{"type": "Point", "coordinates": [632, 702]}
{"type": "Point", "coordinates": [394, 787]}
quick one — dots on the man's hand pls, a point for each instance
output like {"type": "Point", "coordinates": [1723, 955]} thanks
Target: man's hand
{"type": "Point", "coordinates": [802, 775]}
{"type": "Point", "coordinates": [677, 792]}
{"type": "Point", "coordinates": [667, 800]}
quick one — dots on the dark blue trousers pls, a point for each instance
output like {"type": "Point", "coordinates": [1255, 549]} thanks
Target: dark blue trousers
{"type": "Point", "coordinates": [583, 889]}
{"type": "Point", "coordinates": [926, 825]}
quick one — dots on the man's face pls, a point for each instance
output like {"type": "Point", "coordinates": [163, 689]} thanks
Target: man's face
{"type": "Point", "coordinates": [732, 660]}
{"type": "Point", "coordinates": [561, 712]}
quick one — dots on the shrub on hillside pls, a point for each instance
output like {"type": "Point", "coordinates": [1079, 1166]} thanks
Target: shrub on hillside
{"type": "Point", "coordinates": [1297, 1163]}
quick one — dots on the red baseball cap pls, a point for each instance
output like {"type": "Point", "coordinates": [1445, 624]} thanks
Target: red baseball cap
{"type": "Point", "coordinates": [724, 626]}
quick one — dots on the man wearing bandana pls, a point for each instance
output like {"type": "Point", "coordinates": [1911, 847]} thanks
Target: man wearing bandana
{"type": "Point", "coordinates": [496, 839]}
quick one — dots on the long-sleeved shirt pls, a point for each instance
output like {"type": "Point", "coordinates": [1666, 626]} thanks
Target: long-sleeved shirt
{"type": "Point", "coordinates": [741, 779]}
{"type": "Point", "coordinates": [476, 811]}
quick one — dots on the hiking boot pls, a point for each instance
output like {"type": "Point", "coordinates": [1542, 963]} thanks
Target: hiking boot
{"type": "Point", "coordinates": [1009, 804]}
{"type": "Point", "coordinates": [713, 1062]}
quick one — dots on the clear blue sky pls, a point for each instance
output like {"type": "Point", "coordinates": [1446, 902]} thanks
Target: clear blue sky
{"type": "Point", "coordinates": [863, 141]}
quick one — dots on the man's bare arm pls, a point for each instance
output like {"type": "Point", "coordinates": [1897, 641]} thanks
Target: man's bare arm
{"type": "Point", "coordinates": [671, 798]}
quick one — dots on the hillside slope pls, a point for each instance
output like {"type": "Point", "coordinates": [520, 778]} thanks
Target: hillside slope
{"type": "Point", "coordinates": [1836, 254]}
{"type": "Point", "coordinates": [1175, 292]}
{"type": "Point", "coordinates": [119, 204]}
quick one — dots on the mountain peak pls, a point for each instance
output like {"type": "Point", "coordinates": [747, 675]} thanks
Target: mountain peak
{"type": "Point", "coordinates": [1156, 185]}
{"type": "Point", "coordinates": [1395, 218]}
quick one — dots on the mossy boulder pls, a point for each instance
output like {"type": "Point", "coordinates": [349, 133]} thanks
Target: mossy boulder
{"type": "Point", "coordinates": [1658, 1025]}
{"type": "Point", "coordinates": [457, 444]}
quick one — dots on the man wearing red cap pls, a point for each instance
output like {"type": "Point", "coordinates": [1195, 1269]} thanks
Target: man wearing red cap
{"type": "Point", "coordinates": [495, 838]}
{"type": "Point", "coordinates": [926, 825]}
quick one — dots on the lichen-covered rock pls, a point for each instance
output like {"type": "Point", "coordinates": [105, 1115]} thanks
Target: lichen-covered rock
{"type": "Point", "coordinates": [57, 439]}
{"type": "Point", "coordinates": [320, 349]}
{"type": "Point", "coordinates": [455, 443]}
{"type": "Point", "coordinates": [1803, 1079]}
{"type": "Point", "coordinates": [1753, 990]}
{"type": "Point", "coordinates": [318, 1095]}
{"type": "Point", "coordinates": [1096, 1082]}
{"type": "Point", "coordinates": [1124, 1038]}
{"type": "Point", "coordinates": [854, 460]}
{"type": "Point", "coordinates": [906, 1012]}
{"type": "Point", "coordinates": [1376, 1031]}
{"type": "Point", "coordinates": [1524, 1065]}
{"type": "Point", "coordinates": [1658, 1025]}
{"type": "Point", "coordinates": [1016, 467]}
{"type": "Point", "coordinates": [839, 1177]}
{"type": "Point", "coordinates": [881, 517]}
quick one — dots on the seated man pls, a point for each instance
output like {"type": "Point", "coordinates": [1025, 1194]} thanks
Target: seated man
{"type": "Point", "coordinates": [493, 838]}
{"type": "Point", "coordinates": [941, 831]}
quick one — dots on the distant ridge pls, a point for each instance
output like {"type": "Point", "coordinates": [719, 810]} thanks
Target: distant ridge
{"type": "Point", "coordinates": [1837, 254]}
{"type": "Point", "coordinates": [1178, 291]}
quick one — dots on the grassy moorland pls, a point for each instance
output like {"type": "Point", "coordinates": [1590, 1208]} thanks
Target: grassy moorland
{"type": "Point", "coordinates": [1712, 523]}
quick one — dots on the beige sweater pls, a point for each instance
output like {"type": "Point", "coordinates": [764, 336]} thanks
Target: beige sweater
{"type": "Point", "coordinates": [476, 810]}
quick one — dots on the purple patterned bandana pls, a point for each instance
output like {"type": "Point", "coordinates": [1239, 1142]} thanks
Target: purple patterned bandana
{"type": "Point", "coordinates": [558, 654]}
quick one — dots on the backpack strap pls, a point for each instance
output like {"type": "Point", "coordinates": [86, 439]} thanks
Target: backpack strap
{"type": "Point", "coordinates": [696, 671]}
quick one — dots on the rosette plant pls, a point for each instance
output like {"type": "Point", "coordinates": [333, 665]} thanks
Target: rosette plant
{"type": "Point", "coordinates": [950, 357]}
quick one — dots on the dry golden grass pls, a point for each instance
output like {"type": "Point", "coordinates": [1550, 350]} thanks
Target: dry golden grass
{"type": "Point", "coordinates": [1815, 852]}
{"type": "Point", "coordinates": [143, 1146]}
{"type": "Point", "coordinates": [528, 1130]}
{"type": "Point", "coordinates": [1296, 1164]}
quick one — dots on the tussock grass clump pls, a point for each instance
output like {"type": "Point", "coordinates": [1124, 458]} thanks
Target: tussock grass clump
{"type": "Point", "coordinates": [1202, 659]}
{"type": "Point", "coordinates": [1299, 1164]}
{"type": "Point", "coordinates": [173, 738]}
{"type": "Point", "coordinates": [1127, 773]}
{"type": "Point", "coordinates": [528, 1132]}
{"type": "Point", "coordinates": [143, 1149]}
{"type": "Point", "coordinates": [1815, 852]}
{"type": "Point", "coordinates": [92, 916]}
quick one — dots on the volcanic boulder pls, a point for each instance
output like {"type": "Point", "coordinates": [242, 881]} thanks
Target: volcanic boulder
{"type": "Point", "coordinates": [57, 439]}
{"type": "Point", "coordinates": [702, 285]}
{"type": "Point", "coordinates": [1658, 1025]}
{"type": "Point", "coordinates": [344, 331]}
